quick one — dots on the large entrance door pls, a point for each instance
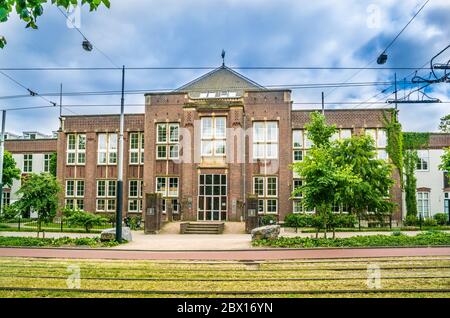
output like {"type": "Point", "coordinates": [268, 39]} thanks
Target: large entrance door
{"type": "Point", "coordinates": [212, 197]}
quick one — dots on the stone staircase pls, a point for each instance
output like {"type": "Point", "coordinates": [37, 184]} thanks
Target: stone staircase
{"type": "Point", "coordinates": [202, 228]}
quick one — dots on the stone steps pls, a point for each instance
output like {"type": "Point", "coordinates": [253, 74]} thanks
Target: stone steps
{"type": "Point", "coordinates": [201, 228]}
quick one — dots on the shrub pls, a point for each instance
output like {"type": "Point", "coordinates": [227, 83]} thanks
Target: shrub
{"type": "Point", "coordinates": [10, 212]}
{"type": "Point", "coordinates": [268, 219]}
{"type": "Point", "coordinates": [411, 220]}
{"type": "Point", "coordinates": [345, 220]}
{"type": "Point", "coordinates": [298, 220]}
{"type": "Point", "coordinates": [134, 222]}
{"type": "Point", "coordinates": [429, 238]}
{"type": "Point", "coordinates": [86, 220]}
{"type": "Point", "coordinates": [429, 222]}
{"type": "Point", "coordinates": [441, 218]}
{"type": "Point", "coordinates": [397, 233]}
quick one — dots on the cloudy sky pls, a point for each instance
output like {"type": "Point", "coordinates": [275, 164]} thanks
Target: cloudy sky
{"type": "Point", "coordinates": [157, 33]}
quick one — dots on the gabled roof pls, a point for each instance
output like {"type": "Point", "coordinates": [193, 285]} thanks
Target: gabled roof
{"type": "Point", "coordinates": [220, 79]}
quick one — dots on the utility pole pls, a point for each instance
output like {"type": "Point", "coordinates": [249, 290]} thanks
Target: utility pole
{"type": "Point", "coordinates": [2, 153]}
{"type": "Point", "coordinates": [395, 79]}
{"type": "Point", "coordinates": [60, 105]}
{"type": "Point", "coordinates": [120, 164]}
{"type": "Point", "coordinates": [323, 104]}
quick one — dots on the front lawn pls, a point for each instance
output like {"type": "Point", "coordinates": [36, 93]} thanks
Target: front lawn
{"type": "Point", "coordinates": [54, 242]}
{"type": "Point", "coordinates": [423, 239]}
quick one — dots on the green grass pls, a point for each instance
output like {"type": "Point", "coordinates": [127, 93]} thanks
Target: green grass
{"type": "Point", "coordinates": [172, 276]}
{"type": "Point", "coordinates": [422, 239]}
{"type": "Point", "coordinates": [54, 242]}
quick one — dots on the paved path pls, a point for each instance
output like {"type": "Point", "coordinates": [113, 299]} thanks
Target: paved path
{"type": "Point", "coordinates": [254, 254]}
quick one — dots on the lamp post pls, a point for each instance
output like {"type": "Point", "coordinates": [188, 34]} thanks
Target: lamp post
{"type": "Point", "coordinates": [2, 153]}
{"type": "Point", "coordinates": [120, 164]}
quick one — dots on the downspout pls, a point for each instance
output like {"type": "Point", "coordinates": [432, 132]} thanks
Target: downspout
{"type": "Point", "coordinates": [244, 172]}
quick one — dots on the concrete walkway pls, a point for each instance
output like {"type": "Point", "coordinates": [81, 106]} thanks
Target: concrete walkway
{"type": "Point", "coordinates": [168, 241]}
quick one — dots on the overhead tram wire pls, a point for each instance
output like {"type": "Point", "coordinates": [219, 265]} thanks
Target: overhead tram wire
{"type": "Point", "coordinates": [163, 90]}
{"type": "Point", "coordinates": [85, 38]}
{"type": "Point", "coordinates": [387, 88]}
{"type": "Point", "coordinates": [156, 68]}
{"type": "Point", "coordinates": [388, 46]}
{"type": "Point", "coordinates": [32, 93]}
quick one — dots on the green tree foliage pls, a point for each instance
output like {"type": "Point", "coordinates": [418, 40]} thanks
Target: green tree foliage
{"type": "Point", "coordinates": [29, 10]}
{"type": "Point", "coordinates": [412, 141]}
{"type": "Point", "coordinates": [445, 160]}
{"type": "Point", "coordinates": [342, 173]}
{"type": "Point", "coordinates": [394, 141]}
{"type": "Point", "coordinates": [10, 171]}
{"type": "Point", "coordinates": [410, 161]}
{"type": "Point", "coordinates": [444, 125]}
{"type": "Point", "coordinates": [85, 219]}
{"type": "Point", "coordinates": [325, 182]}
{"type": "Point", "coordinates": [39, 193]}
{"type": "Point", "coordinates": [53, 162]}
{"type": "Point", "coordinates": [375, 180]}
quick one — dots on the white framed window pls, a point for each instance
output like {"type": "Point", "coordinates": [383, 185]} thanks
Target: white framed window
{"type": "Point", "coordinates": [136, 151]}
{"type": "Point", "coordinates": [265, 140]}
{"type": "Point", "coordinates": [423, 204]}
{"type": "Point", "coordinates": [47, 158]}
{"type": "Point", "coordinates": [213, 136]}
{"type": "Point", "coordinates": [167, 141]}
{"type": "Point", "coordinates": [424, 158]}
{"type": "Point", "coordinates": [76, 149]}
{"type": "Point", "coordinates": [266, 188]}
{"type": "Point", "coordinates": [75, 190]}
{"type": "Point", "coordinates": [379, 135]}
{"type": "Point", "coordinates": [106, 195]}
{"type": "Point", "coordinates": [107, 149]}
{"type": "Point", "coordinates": [27, 163]}
{"type": "Point", "coordinates": [167, 186]}
{"type": "Point", "coordinates": [135, 195]}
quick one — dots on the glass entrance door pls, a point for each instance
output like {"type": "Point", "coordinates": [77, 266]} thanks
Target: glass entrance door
{"type": "Point", "coordinates": [212, 197]}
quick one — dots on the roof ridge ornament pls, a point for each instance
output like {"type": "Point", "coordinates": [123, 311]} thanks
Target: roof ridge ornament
{"type": "Point", "coordinates": [223, 58]}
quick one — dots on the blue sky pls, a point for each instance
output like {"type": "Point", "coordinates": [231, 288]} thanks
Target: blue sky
{"type": "Point", "coordinates": [253, 33]}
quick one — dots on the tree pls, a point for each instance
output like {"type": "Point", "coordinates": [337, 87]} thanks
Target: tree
{"type": "Point", "coordinates": [444, 125]}
{"type": "Point", "coordinates": [29, 11]}
{"type": "Point", "coordinates": [324, 182]}
{"type": "Point", "coordinates": [375, 180]}
{"type": "Point", "coordinates": [445, 160]}
{"type": "Point", "coordinates": [85, 219]}
{"type": "Point", "coordinates": [10, 171]}
{"type": "Point", "coordinates": [410, 159]}
{"type": "Point", "coordinates": [39, 193]}
{"type": "Point", "coordinates": [53, 163]}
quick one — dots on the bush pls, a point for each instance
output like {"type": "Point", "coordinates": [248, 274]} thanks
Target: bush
{"type": "Point", "coordinates": [85, 219]}
{"type": "Point", "coordinates": [441, 218]}
{"type": "Point", "coordinates": [134, 222]}
{"type": "Point", "coordinates": [268, 219]}
{"type": "Point", "coordinates": [298, 220]}
{"type": "Point", "coordinates": [411, 220]}
{"type": "Point", "coordinates": [345, 220]}
{"type": "Point", "coordinates": [10, 213]}
{"type": "Point", "coordinates": [54, 242]}
{"type": "Point", "coordinates": [429, 222]}
{"type": "Point", "coordinates": [430, 238]}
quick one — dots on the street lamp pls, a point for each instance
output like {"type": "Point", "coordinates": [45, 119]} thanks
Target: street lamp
{"type": "Point", "coordinates": [87, 46]}
{"type": "Point", "coordinates": [382, 58]}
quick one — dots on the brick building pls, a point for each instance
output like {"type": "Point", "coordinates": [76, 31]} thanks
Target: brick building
{"type": "Point", "coordinates": [204, 147]}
